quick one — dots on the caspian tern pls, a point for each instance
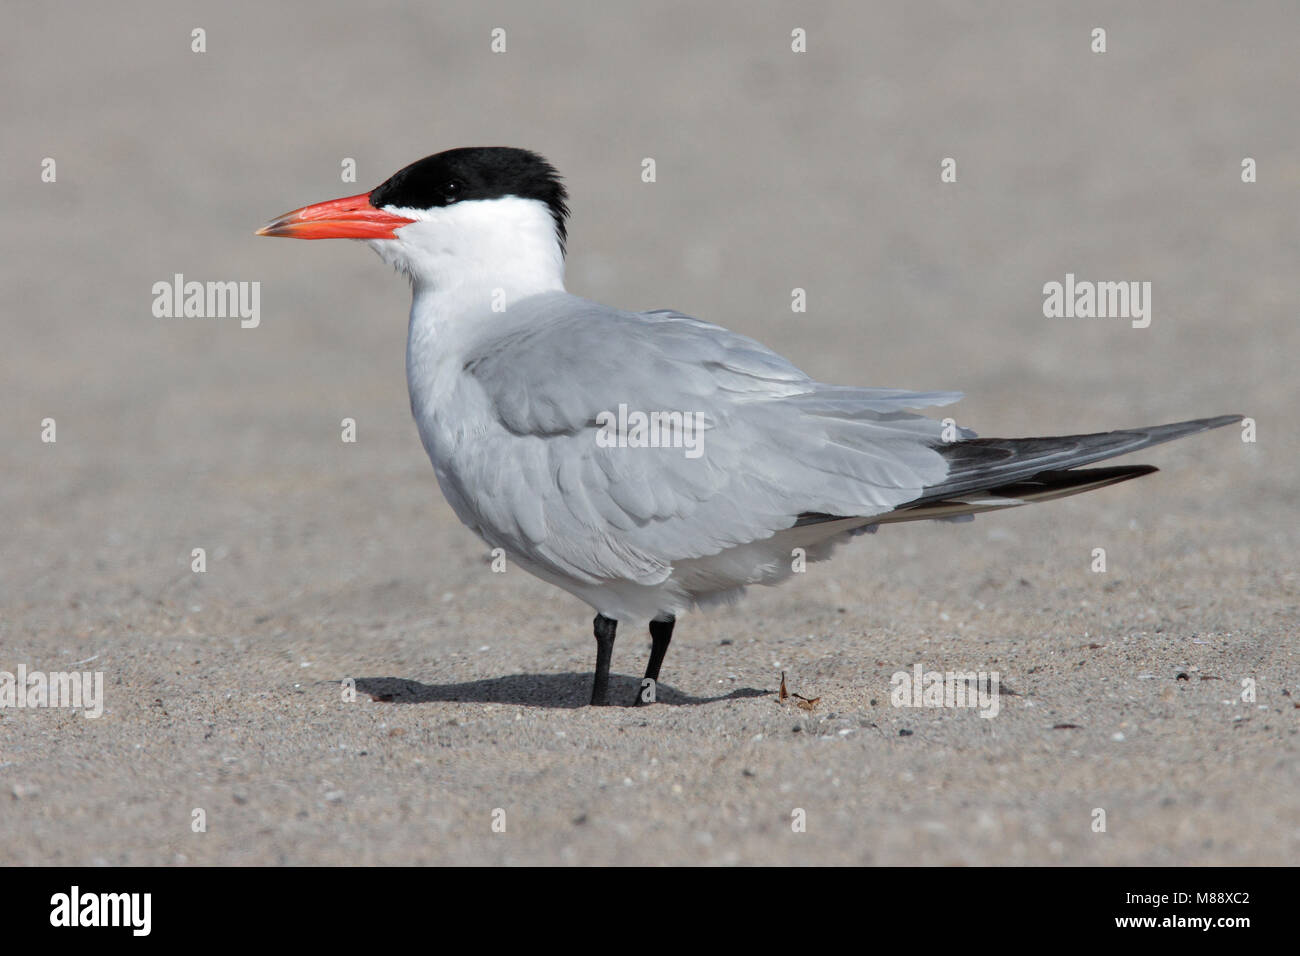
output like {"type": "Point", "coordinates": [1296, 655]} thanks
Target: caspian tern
{"type": "Point", "coordinates": [648, 462]}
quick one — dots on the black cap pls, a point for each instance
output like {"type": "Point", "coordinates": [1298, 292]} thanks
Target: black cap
{"type": "Point", "coordinates": [476, 172]}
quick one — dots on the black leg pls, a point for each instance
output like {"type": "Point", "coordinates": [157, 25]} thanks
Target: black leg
{"type": "Point", "coordinates": [661, 634]}
{"type": "Point", "coordinates": [604, 628]}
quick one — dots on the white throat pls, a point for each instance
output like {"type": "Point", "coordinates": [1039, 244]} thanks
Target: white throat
{"type": "Point", "coordinates": [469, 263]}
{"type": "Point", "coordinates": [484, 252]}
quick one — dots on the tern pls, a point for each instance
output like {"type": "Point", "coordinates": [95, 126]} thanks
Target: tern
{"type": "Point", "coordinates": [649, 462]}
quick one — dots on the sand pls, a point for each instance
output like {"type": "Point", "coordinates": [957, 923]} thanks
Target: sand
{"type": "Point", "coordinates": [468, 740]}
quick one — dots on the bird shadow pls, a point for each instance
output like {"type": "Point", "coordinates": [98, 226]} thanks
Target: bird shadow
{"type": "Point", "coordinates": [563, 691]}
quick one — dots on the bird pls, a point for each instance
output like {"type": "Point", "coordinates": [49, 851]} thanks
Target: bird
{"type": "Point", "coordinates": [650, 463]}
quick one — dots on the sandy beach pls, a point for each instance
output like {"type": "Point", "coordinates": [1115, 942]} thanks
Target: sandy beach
{"type": "Point", "coordinates": [1163, 691]}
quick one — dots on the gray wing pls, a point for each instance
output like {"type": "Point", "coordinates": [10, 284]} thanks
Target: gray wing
{"type": "Point", "coordinates": [776, 444]}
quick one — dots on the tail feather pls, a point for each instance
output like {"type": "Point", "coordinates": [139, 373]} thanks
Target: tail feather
{"type": "Point", "coordinates": [1043, 486]}
{"type": "Point", "coordinates": [989, 474]}
{"type": "Point", "coordinates": [982, 463]}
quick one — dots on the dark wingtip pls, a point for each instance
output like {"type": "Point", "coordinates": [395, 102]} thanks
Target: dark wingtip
{"type": "Point", "coordinates": [1218, 421]}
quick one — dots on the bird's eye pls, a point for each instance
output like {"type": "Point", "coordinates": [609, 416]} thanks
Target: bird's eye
{"type": "Point", "coordinates": [451, 192]}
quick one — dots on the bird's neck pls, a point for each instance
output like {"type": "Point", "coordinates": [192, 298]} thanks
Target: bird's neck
{"type": "Point", "coordinates": [464, 288]}
{"type": "Point", "coordinates": [476, 259]}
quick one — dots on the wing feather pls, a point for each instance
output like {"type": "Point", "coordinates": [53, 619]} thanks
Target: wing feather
{"type": "Point", "coordinates": [777, 444]}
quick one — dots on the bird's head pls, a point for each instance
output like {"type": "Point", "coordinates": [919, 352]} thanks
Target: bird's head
{"type": "Point", "coordinates": [479, 213]}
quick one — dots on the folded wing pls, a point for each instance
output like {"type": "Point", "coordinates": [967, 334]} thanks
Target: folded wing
{"type": "Point", "coordinates": [775, 444]}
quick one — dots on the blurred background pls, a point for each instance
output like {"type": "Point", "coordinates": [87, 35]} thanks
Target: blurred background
{"type": "Point", "coordinates": [775, 170]}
